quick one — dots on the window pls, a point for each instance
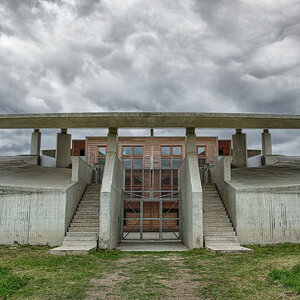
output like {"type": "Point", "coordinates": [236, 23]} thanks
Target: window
{"type": "Point", "coordinates": [127, 150]}
{"type": "Point", "coordinates": [165, 179]}
{"type": "Point", "coordinates": [201, 151]}
{"type": "Point", "coordinates": [171, 157]}
{"type": "Point", "coordinates": [138, 151]}
{"type": "Point", "coordinates": [127, 163]}
{"type": "Point", "coordinates": [176, 151]}
{"type": "Point", "coordinates": [221, 152]}
{"type": "Point", "coordinates": [138, 163]}
{"type": "Point", "coordinates": [82, 152]}
{"type": "Point", "coordinates": [101, 155]}
{"type": "Point", "coordinates": [165, 150]}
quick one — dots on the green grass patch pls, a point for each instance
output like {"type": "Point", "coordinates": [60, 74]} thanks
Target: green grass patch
{"type": "Point", "coordinates": [10, 282]}
{"type": "Point", "coordinates": [287, 277]}
{"type": "Point", "coordinates": [31, 273]}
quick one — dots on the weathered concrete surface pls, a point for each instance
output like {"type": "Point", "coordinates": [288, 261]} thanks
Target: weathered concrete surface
{"type": "Point", "coordinates": [72, 250]}
{"type": "Point", "coordinates": [36, 203]}
{"type": "Point", "coordinates": [150, 120]}
{"type": "Point", "coordinates": [191, 192]}
{"type": "Point", "coordinates": [152, 246]}
{"type": "Point", "coordinates": [239, 151]}
{"type": "Point", "coordinates": [63, 144]}
{"type": "Point", "coordinates": [35, 142]}
{"type": "Point", "coordinates": [111, 196]}
{"type": "Point", "coordinates": [266, 142]}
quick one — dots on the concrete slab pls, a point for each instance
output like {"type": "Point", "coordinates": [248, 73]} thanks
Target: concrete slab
{"type": "Point", "coordinates": [73, 250]}
{"type": "Point", "coordinates": [286, 172]}
{"type": "Point", "coordinates": [16, 173]}
{"type": "Point", "coordinates": [228, 248]}
{"type": "Point", "coordinates": [152, 246]}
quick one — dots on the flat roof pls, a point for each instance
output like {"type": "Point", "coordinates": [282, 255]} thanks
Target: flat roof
{"type": "Point", "coordinates": [149, 120]}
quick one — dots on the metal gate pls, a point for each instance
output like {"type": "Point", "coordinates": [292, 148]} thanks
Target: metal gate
{"type": "Point", "coordinates": [151, 215]}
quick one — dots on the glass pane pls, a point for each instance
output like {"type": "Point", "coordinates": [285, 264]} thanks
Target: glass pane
{"type": "Point", "coordinates": [176, 150]}
{"type": "Point", "coordinates": [201, 151]}
{"type": "Point", "coordinates": [127, 177]}
{"type": "Point", "coordinates": [138, 181]}
{"type": "Point", "coordinates": [101, 161]}
{"type": "Point", "coordinates": [102, 151]}
{"type": "Point", "coordinates": [176, 163]}
{"type": "Point", "coordinates": [165, 163]}
{"type": "Point", "coordinates": [201, 161]}
{"type": "Point", "coordinates": [175, 180]}
{"type": "Point", "coordinates": [138, 163]}
{"type": "Point", "coordinates": [138, 150]}
{"type": "Point", "coordinates": [166, 178]}
{"type": "Point", "coordinates": [127, 163]}
{"type": "Point", "coordinates": [165, 150]}
{"type": "Point", "coordinates": [126, 150]}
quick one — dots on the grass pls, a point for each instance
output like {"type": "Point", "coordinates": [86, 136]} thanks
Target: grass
{"type": "Point", "coordinates": [288, 277]}
{"type": "Point", "coordinates": [269, 272]}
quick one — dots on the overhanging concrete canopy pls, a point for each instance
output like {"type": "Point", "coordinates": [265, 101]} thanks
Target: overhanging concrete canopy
{"type": "Point", "coordinates": [149, 120]}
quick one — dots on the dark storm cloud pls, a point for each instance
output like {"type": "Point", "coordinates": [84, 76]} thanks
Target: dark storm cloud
{"type": "Point", "coordinates": [210, 55]}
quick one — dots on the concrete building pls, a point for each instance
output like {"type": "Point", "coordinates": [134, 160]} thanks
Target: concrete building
{"type": "Point", "coordinates": [244, 200]}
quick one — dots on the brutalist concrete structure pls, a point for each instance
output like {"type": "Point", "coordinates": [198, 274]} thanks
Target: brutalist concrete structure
{"type": "Point", "coordinates": [241, 205]}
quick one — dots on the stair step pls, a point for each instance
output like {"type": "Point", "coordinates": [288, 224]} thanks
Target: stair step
{"type": "Point", "coordinates": [220, 238]}
{"type": "Point", "coordinates": [79, 242]}
{"type": "Point", "coordinates": [81, 234]}
{"type": "Point", "coordinates": [84, 224]}
{"type": "Point", "coordinates": [81, 238]}
{"type": "Point", "coordinates": [227, 228]}
{"type": "Point", "coordinates": [85, 220]}
{"type": "Point", "coordinates": [219, 233]}
{"type": "Point", "coordinates": [83, 229]}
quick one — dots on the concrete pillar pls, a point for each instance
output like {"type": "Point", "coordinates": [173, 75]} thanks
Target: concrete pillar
{"type": "Point", "coordinates": [190, 141]}
{"type": "Point", "coordinates": [35, 142]}
{"type": "Point", "coordinates": [266, 142]}
{"type": "Point", "coordinates": [112, 140]}
{"type": "Point", "coordinates": [63, 149]}
{"type": "Point", "coordinates": [239, 154]}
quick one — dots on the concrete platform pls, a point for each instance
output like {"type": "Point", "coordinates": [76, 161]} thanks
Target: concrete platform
{"type": "Point", "coordinates": [152, 246]}
{"type": "Point", "coordinates": [73, 250]}
{"type": "Point", "coordinates": [16, 173]}
{"type": "Point", "coordinates": [228, 249]}
{"type": "Point", "coordinates": [284, 172]}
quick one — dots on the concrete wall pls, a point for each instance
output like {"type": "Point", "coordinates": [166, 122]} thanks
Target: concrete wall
{"type": "Point", "coordinates": [255, 161]}
{"type": "Point", "coordinates": [192, 202]}
{"type": "Point", "coordinates": [268, 216]}
{"type": "Point", "coordinates": [110, 202]}
{"type": "Point", "coordinates": [82, 174]}
{"type": "Point", "coordinates": [260, 215]}
{"type": "Point", "coordinates": [40, 216]}
{"type": "Point", "coordinates": [47, 161]}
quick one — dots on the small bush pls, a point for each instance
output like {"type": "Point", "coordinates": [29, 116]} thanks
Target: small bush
{"type": "Point", "coordinates": [10, 283]}
{"type": "Point", "coordinates": [288, 277]}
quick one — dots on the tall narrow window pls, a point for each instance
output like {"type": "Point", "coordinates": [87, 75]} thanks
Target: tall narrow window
{"type": "Point", "coordinates": [101, 155]}
{"type": "Point", "coordinates": [201, 151]}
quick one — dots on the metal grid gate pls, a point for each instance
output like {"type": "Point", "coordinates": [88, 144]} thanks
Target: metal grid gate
{"type": "Point", "coordinates": [165, 206]}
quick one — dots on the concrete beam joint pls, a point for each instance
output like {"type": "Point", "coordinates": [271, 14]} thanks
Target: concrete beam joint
{"type": "Point", "coordinates": [36, 130]}
{"type": "Point", "coordinates": [266, 130]}
{"type": "Point", "coordinates": [113, 130]}
{"type": "Point", "coordinates": [190, 130]}
{"type": "Point", "coordinates": [64, 130]}
{"type": "Point", "coordinates": [238, 131]}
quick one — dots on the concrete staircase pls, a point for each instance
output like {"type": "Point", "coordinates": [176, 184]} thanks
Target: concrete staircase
{"type": "Point", "coordinates": [219, 234]}
{"type": "Point", "coordinates": [82, 235]}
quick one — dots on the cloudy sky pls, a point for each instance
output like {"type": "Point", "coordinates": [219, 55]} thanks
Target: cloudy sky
{"type": "Point", "coordinates": [149, 55]}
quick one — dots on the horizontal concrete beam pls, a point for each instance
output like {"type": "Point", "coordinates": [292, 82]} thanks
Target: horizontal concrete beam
{"type": "Point", "coordinates": [150, 120]}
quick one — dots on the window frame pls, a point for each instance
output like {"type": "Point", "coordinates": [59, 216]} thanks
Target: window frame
{"type": "Point", "coordinates": [101, 156]}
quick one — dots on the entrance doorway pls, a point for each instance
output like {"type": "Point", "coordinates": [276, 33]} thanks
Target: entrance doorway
{"type": "Point", "coordinates": [151, 215]}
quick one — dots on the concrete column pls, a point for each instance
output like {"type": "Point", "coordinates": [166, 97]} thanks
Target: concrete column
{"type": "Point", "coordinates": [35, 142]}
{"type": "Point", "coordinates": [239, 154]}
{"type": "Point", "coordinates": [190, 141]}
{"type": "Point", "coordinates": [112, 140]}
{"type": "Point", "coordinates": [266, 142]}
{"type": "Point", "coordinates": [63, 149]}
